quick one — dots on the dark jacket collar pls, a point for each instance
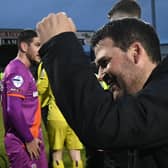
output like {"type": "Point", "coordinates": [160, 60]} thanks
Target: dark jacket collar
{"type": "Point", "coordinates": [161, 69]}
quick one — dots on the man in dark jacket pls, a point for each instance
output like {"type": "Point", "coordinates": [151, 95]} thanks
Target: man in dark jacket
{"type": "Point", "coordinates": [121, 9]}
{"type": "Point", "coordinates": [128, 53]}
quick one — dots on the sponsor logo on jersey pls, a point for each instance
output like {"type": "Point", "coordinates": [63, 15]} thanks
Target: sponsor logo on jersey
{"type": "Point", "coordinates": [35, 94]}
{"type": "Point", "coordinates": [17, 81]}
{"type": "Point", "coordinates": [33, 165]}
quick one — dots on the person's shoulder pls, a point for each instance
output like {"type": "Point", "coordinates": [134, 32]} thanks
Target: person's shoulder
{"type": "Point", "coordinates": [15, 67]}
{"type": "Point", "coordinates": [13, 64]}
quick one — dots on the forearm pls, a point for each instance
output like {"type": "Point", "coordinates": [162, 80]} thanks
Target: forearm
{"type": "Point", "coordinates": [17, 119]}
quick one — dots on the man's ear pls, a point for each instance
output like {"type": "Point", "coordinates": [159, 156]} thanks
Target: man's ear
{"type": "Point", "coordinates": [23, 47]}
{"type": "Point", "coordinates": [135, 50]}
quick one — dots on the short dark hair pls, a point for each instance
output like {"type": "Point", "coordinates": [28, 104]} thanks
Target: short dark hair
{"type": "Point", "coordinates": [26, 36]}
{"type": "Point", "coordinates": [126, 31]}
{"type": "Point", "coordinates": [130, 7]}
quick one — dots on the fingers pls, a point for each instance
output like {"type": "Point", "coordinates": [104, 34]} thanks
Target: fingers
{"type": "Point", "coordinates": [72, 25]}
{"type": "Point", "coordinates": [54, 24]}
{"type": "Point", "coordinates": [34, 153]}
{"type": "Point", "coordinates": [33, 148]}
{"type": "Point", "coordinates": [40, 141]}
{"type": "Point", "coordinates": [31, 155]}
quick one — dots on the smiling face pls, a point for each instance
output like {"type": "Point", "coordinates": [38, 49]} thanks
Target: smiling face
{"type": "Point", "coordinates": [117, 67]}
{"type": "Point", "coordinates": [127, 50]}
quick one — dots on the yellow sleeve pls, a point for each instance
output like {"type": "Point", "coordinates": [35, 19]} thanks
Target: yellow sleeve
{"type": "Point", "coordinates": [43, 86]}
{"type": "Point", "coordinates": [104, 85]}
{"type": "Point", "coordinates": [1, 75]}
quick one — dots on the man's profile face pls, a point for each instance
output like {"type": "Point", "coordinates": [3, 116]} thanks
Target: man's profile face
{"type": "Point", "coordinates": [117, 65]}
{"type": "Point", "coordinates": [32, 50]}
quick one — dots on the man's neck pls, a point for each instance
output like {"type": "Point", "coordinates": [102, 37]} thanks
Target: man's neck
{"type": "Point", "coordinates": [23, 58]}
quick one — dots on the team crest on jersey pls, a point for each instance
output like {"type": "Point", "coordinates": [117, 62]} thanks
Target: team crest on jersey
{"type": "Point", "coordinates": [17, 81]}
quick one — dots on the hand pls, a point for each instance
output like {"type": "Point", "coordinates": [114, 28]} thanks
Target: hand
{"type": "Point", "coordinates": [54, 24]}
{"type": "Point", "coordinates": [33, 148]}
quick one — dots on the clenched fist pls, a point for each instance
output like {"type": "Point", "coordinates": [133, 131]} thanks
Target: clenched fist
{"type": "Point", "coordinates": [54, 24]}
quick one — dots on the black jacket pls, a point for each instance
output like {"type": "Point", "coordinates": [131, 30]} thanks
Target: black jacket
{"type": "Point", "coordinates": [133, 122]}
